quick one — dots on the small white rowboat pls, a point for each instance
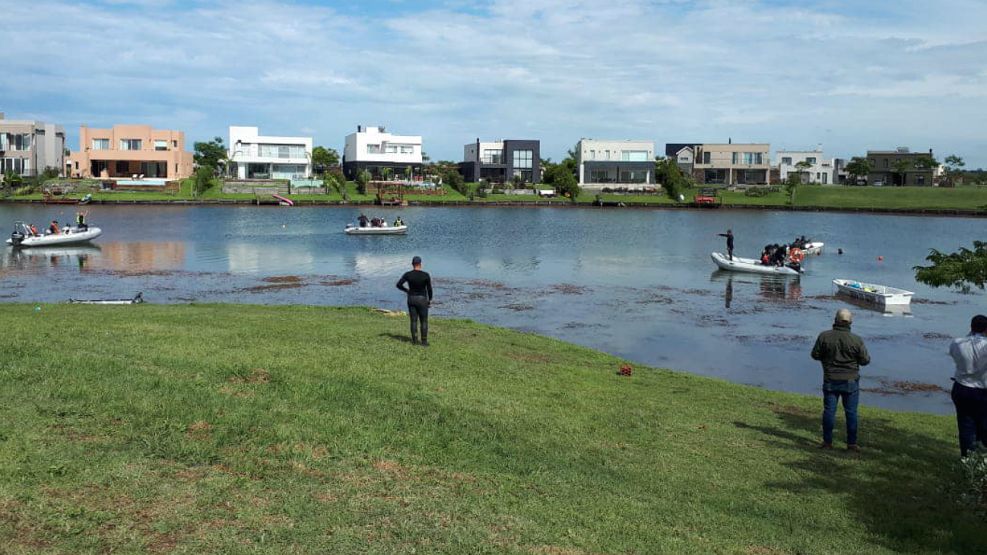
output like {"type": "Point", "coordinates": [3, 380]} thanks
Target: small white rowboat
{"type": "Point", "coordinates": [873, 293]}
{"type": "Point", "coordinates": [750, 266]}
{"type": "Point", "coordinates": [370, 230]}
{"type": "Point", "coordinates": [69, 236]}
{"type": "Point", "coordinates": [814, 247]}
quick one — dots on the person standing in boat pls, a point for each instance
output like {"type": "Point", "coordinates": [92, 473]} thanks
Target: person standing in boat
{"type": "Point", "coordinates": [80, 221]}
{"type": "Point", "coordinates": [970, 386]}
{"type": "Point", "coordinates": [729, 236]}
{"type": "Point", "coordinates": [418, 286]}
{"type": "Point", "coordinates": [841, 353]}
{"type": "Point", "coordinates": [362, 220]}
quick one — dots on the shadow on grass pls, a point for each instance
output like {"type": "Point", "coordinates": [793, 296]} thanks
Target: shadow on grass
{"type": "Point", "coordinates": [901, 487]}
{"type": "Point", "coordinates": [396, 337]}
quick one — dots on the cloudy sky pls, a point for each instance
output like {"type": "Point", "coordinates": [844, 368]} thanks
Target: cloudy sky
{"type": "Point", "coordinates": [792, 73]}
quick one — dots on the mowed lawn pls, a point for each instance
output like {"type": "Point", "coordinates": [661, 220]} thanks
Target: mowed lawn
{"type": "Point", "coordinates": [242, 429]}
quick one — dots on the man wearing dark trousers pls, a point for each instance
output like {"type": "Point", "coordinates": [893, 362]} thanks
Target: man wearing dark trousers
{"type": "Point", "coordinates": [418, 285]}
{"type": "Point", "coordinates": [841, 353]}
{"type": "Point", "coordinates": [970, 386]}
{"type": "Point", "coordinates": [729, 236]}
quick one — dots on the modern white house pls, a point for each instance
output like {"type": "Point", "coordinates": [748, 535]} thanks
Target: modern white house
{"type": "Point", "coordinates": [29, 147]}
{"type": "Point", "coordinates": [255, 156]}
{"type": "Point", "coordinates": [821, 170]}
{"type": "Point", "coordinates": [373, 148]}
{"type": "Point", "coordinates": [616, 163]}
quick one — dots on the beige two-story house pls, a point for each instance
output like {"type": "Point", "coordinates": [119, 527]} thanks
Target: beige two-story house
{"type": "Point", "coordinates": [125, 151]}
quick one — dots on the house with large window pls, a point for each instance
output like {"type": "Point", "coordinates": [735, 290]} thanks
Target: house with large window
{"type": "Point", "coordinates": [29, 147]}
{"type": "Point", "coordinates": [255, 156]}
{"type": "Point", "coordinates": [901, 167]}
{"type": "Point", "coordinates": [616, 163]}
{"type": "Point", "coordinates": [504, 161]}
{"type": "Point", "coordinates": [124, 151]}
{"type": "Point", "coordinates": [817, 169]}
{"type": "Point", "coordinates": [732, 164]}
{"type": "Point", "coordinates": [372, 148]}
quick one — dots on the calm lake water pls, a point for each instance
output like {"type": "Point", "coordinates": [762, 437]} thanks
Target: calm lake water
{"type": "Point", "coordinates": [635, 283]}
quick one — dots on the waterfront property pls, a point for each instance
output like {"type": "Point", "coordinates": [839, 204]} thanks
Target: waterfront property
{"type": "Point", "coordinates": [616, 163]}
{"type": "Point", "coordinates": [901, 167]}
{"type": "Point", "coordinates": [125, 151]}
{"type": "Point", "coordinates": [819, 169]}
{"type": "Point", "coordinates": [29, 147]}
{"type": "Point", "coordinates": [684, 155]}
{"type": "Point", "coordinates": [375, 150]}
{"type": "Point", "coordinates": [732, 164]}
{"type": "Point", "coordinates": [256, 156]}
{"type": "Point", "coordinates": [502, 161]}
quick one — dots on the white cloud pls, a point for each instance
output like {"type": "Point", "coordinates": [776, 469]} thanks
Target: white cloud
{"type": "Point", "coordinates": [841, 74]}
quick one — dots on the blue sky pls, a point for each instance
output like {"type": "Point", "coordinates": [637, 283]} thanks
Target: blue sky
{"type": "Point", "coordinates": [846, 75]}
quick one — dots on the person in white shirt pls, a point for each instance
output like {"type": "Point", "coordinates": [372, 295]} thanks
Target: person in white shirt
{"type": "Point", "coordinates": [970, 385]}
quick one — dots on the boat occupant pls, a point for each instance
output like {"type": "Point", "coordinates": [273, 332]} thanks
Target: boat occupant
{"type": "Point", "coordinates": [419, 290]}
{"type": "Point", "coordinates": [729, 236]}
{"type": "Point", "coordinates": [80, 221]}
{"type": "Point", "coordinates": [363, 220]}
{"type": "Point", "coordinates": [34, 231]}
{"type": "Point", "coordinates": [53, 228]}
{"type": "Point", "coordinates": [398, 222]}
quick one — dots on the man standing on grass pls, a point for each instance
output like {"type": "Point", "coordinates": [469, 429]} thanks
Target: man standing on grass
{"type": "Point", "coordinates": [970, 385]}
{"type": "Point", "coordinates": [419, 290]}
{"type": "Point", "coordinates": [729, 236]}
{"type": "Point", "coordinates": [841, 353]}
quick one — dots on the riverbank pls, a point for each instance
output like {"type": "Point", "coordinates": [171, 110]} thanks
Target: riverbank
{"type": "Point", "coordinates": [965, 201]}
{"type": "Point", "coordinates": [222, 427]}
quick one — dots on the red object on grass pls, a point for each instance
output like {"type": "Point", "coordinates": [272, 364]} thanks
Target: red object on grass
{"type": "Point", "coordinates": [625, 370]}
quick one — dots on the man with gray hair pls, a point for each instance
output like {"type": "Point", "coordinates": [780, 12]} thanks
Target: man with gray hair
{"type": "Point", "coordinates": [841, 353]}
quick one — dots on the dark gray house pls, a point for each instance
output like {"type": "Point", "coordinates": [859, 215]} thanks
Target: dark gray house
{"type": "Point", "coordinates": [502, 161]}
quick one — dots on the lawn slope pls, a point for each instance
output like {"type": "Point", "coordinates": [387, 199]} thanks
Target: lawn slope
{"type": "Point", "coordinates": [224, 428]}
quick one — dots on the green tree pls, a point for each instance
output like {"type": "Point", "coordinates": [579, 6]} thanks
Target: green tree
{"type": "Point", "coordinates": [203, 180]}
{"type": "Point", "coordinates": [802, 166]}
{"type": "Point", "coordinates": [900, 169]}
{"type": "Point", "coordinates": [324, 159]}
{"type": "Point", "coordinates": [858, 167]}
{"type": "Point", "coordinates": [963, 269]}
{"type": "Point", "coordinates": [386, 173]}
{"type": "Point", "coordinates": [448, 173]}
{"type": "Point", "coordinates": [670, 177]}
{"type": "Point", "coordinates": [211, 155]}
{"type": "Point", "coordinates": [954, 168]}
{"type": "Point", "coordinates": [362, 179]}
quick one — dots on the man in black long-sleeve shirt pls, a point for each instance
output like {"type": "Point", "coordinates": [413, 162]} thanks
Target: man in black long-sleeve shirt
{"type": "Point", "coordinates": [729, 236]}
{"type": "Point", "coordinates": [419, 290]}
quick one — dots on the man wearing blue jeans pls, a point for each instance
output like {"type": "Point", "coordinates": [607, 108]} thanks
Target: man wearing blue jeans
{"type": "Point", "coordinates": [841, 353]}
{"type": "Point", "coordinates": [970, 385]}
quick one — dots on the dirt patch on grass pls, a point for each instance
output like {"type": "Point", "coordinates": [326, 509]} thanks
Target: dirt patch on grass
{"type": "Point", "coordinates": [390, 468]}
{"type": "Point", "coordinates": [904, 387]}
{"type": "Point", "coordinates": [556, 550]}
{"type": "Point", "coordinates": [257, 375]}
{"type": "Point", "coordinates": [790, 410]}
{"type": "Point", "coordinates": [531, 357]}
{"type": "Point", "coordinates": [199, 430]}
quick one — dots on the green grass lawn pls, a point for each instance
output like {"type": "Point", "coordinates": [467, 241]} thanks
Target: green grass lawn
{"type": "Point", "coordinates": [227, 429]}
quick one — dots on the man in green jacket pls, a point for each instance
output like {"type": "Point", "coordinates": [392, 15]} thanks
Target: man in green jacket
{"type": "Point", "coordinates": [841, 353]}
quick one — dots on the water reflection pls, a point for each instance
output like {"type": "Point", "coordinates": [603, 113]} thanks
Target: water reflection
{"type": "Point", "coordinates": [767, 287]}
{"type": "Point", "coordinates": [142, 256]}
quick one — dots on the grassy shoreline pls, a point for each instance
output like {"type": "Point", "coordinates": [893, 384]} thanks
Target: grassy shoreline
{"type": "Point", "coordinates": [219, 428]}
{"type": "Point", "coordinates": [909, 200]}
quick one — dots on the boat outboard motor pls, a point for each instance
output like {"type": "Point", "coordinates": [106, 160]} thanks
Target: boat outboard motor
{"type": "Point", "coordinates": [17, 237]}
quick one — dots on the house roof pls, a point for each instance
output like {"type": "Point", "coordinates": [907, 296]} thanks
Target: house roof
{"type": "Point", "coordinates": [672, 149]}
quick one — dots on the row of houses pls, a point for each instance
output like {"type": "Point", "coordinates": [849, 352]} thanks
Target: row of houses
{"type": "Point", "coordinates": [29, 147]}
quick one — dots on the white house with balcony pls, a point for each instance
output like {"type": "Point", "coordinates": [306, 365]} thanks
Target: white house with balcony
{"type": "Point", "coordinates": [372, 148]}
{"type": "Point", "coordinates": [817, 168]}
{"type": "Point", "coordinates": [616, 163]}
{"type": "Point", "coordinates": [255, 156]}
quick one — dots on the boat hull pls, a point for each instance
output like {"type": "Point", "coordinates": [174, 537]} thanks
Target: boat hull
{"type": "Point", "coordinates": [71, 238]}
{"type": "Point", "coordinates": [813, 248]}
{"type": "Point", "coordinates": [880, 295]}
{"type": "Point", "coordinates": [390, 230]}
{"type": "Point", "coordinates": [750, 266]}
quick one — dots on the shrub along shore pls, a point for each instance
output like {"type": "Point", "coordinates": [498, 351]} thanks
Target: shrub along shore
{"type": "Point", "coordinates": [221, 428]}
{"type": "Point", "coordinates": [915, 200]}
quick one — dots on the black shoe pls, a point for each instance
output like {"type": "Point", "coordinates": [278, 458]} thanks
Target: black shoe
{"type": "Point", "coordinates": [414, 340]}
{"type": "Point", "coordinates": [424, 343]}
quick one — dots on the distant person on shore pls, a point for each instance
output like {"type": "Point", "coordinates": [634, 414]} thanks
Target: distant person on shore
{"type": "Point", "coordinates": [419, 290]}
{"type": "Point", "coordinates": [970, 385]}
{"type": "Point", "coordinates": [729, 236]}
{"type": "Point", "coordinates": [841, 353]}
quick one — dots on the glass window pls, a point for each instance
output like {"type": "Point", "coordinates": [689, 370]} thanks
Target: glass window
{"type": "Point", "coordinates": [592, 155]}
{"type": "Point", "coordinates": [706, 158]}
{"type": "Point", "coordinates": [373, 149]}
{"type": "Point", "coordinates": [522, 159]}
{"type": "Point", "coordinates": [160, 145]}
{"type": "Point", "coordinates": [600, 176]}
{"type": "Point", "coordinates": [787, 160]}
{"type": "Point", "coordinates": [492, 156]}
{"type": "Point", "coordinates": [21, 141]}
{"type": "Point", "coordinates": [130, 144]}
{"type": "Point", "coordinates": [634, 155]}
{"type": "Point", "coordinates": [735, 158]}
{"type": "Point", "coordinates": [407, 149]}
{"type": "Point", "coordinates": [811, 160]}
{"type": "Point", "coordinates": [390, 149]}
